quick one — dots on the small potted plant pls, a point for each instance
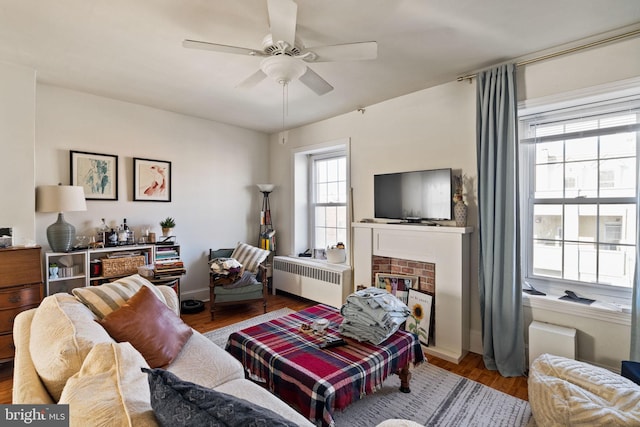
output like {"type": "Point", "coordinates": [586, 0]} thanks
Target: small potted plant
{"type": "Point", "coordinates": [167, 225]}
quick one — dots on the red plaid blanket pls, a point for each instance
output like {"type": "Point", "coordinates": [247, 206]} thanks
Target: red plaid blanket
{"type": "Point", "coordinates": [313, 380]}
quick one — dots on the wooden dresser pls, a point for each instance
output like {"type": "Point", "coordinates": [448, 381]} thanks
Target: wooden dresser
{"type": "Point", "coordinates": [21, 288]}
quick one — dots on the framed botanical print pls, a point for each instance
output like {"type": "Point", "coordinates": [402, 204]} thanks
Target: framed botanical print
{"type": "Point", "coordinates": [96, 173]}
{"type": "Point", "coordinates": [419, 320]}
{"type": "Point", "coordinates": [151, 180]}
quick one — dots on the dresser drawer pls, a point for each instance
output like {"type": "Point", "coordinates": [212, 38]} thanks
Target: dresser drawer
{"type": "Point", "coordinates": [20, 266]}
{"type": "Point", "coordinates": [7, 350]}
{"type": "Point", "coordinates": [20, 296]}
{"type": "Point", "coordinates": [8, 316]}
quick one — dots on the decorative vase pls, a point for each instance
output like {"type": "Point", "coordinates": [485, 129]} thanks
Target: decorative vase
{"type": "Point", "coordinates": [460, 213]}
{"type": "Point", "coordinates": [53, 272]}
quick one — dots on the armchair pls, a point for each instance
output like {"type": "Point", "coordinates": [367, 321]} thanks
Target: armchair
{"type": "Point", "coordinates": [248, 286]}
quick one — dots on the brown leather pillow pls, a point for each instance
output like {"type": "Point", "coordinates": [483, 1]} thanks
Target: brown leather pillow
{"type": "Point", "coordinates": [150, 326]}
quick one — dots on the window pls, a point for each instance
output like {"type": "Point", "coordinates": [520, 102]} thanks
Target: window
{"type": "Point", "coordinates": [580, 176]}
{"type": "Point", "coordinates": [328, 199]}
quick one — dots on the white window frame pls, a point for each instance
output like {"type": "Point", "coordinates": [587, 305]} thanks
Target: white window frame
{"type": "Point", "coordinates": [598, 97]}
{"type": "Point", "coordinates": [313, 204]}
{"type": "Point", "coordinates": [300, 225]}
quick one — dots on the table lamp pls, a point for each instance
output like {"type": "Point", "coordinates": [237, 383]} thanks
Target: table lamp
{"type": "Point", "coordinates": [60, 198]}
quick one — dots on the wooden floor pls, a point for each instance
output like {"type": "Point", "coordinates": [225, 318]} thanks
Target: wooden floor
{"type": "Point", "coordinates": [471, 366]}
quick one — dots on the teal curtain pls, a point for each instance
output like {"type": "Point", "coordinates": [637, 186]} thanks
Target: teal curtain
{"type": "Point", "coordinates": [634, 354]}
{"type": "Point", "coordinates": [499, 230]}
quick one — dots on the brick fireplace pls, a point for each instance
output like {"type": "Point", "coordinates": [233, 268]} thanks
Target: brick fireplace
{"type": "Point", "coordinates": [439, 256]}
{"type": "Point", "coordinates": [425, 271]}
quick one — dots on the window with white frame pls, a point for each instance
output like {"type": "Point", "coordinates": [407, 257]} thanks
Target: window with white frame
{"type": "Point", "coordinates": [328, 204]}
{"type": "Point", "coordinates": [579, 174]}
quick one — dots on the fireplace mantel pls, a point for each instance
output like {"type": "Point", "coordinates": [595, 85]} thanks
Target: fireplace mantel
{"type": "Point", "coordinates": [448, 249]}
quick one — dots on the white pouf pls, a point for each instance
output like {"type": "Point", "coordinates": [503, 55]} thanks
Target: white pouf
{"type": "Point", "coordinates": [566, 392]}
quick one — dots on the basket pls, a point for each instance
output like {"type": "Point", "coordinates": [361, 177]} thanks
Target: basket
{"type": "Point", "coordinates": [112, 267]}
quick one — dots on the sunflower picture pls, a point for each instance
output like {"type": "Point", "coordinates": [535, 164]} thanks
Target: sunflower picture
{"type": "Point", "coordinates": [419, 320]}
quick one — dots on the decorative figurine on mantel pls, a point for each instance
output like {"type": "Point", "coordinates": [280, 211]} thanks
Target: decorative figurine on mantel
{"type": "Point", "coordinates": [460, 208]}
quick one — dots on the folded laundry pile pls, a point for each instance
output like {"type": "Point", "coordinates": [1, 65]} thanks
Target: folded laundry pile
{"type": "Point", "coordinates": [372, 314]}
{"type": "Point", "coordinates": [225, 267]}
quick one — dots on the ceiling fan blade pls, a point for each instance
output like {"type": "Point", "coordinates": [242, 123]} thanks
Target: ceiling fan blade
{"type": "Point", "coordinates": [252, 80]}
{"type": "Point", "coordinates": [195, 44]}
{"type": "Point", "coordinates": [282, 20]}
{"type": "Point", "coordinates": [344, 52]}
{"type": "Point", "coordinates": [314, 82]}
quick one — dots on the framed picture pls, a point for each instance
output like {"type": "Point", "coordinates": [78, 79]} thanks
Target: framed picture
{"type": "Point", "coordinates": [396, 284]}
{"type": "Point", "coordinates": [419, 320]}
{"type": "Point", "coordinates": [96, 173]}
{"type": "Point", "coordinates": [151, 180]}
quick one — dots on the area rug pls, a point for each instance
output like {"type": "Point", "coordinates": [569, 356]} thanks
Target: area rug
{"type": "Point", "coordinates": [437, 398]}
{"type": "Point", "coordinates": [221, 335]}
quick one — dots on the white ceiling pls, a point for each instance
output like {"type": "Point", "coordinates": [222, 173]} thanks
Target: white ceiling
{"type": "Point", "coordinates": [132, 49]}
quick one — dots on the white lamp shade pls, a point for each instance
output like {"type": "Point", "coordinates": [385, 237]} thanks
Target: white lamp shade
{"type": "Point", "coordinates": [266, 188]}
{"type": "Point", "coordinates": [60, 198]}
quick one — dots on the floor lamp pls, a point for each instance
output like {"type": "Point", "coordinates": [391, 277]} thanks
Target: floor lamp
{"type": "Point", "coordinates": [60, 198]}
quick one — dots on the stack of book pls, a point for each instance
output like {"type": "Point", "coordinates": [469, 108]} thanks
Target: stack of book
{"type": "Point", "coordinates": [168, 262]}
{"type": "Point", "coordinates": [169, 267]}
{"type": "Point", "coordinates": [167, 253]}
{"type": "Point", "coordinates": [268, 240]}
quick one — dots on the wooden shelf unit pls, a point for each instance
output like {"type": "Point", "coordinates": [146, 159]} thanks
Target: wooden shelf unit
{"type": "Point", "coordinates": [79, 274]}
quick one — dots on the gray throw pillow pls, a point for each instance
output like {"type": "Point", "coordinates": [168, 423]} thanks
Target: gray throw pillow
{"type": "Point", "coordinates": [181, 403]}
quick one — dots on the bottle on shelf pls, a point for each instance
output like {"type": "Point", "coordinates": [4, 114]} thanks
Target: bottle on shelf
{"type": "Point", "coordinates": [122, 235]}
{"type": "Point", "coordinates": [129, 236]}
{"type": "Point", "coordinates": [103, 232]}
{"type": "Point", "coordinates": [113, 237]}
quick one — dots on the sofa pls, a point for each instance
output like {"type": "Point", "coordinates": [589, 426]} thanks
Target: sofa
{"type": "Point", "coordinates": [567, 392]}
{"type": "Point", "coordinates": [64, 354]}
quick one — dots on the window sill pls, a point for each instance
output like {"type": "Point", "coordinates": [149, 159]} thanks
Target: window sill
{"type": "Point", "coordinates": [599, 311]}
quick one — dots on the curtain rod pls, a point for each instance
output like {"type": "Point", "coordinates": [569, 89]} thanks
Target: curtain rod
{"type": "Point", "coordinates": [470, 77]}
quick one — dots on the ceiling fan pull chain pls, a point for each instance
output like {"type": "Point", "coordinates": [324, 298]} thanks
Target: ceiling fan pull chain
{"type": "Point", "coordinates": [284, 103]}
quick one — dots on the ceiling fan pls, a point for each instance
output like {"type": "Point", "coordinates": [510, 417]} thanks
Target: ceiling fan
{"type": "Point", "coordinates": [285, 56]}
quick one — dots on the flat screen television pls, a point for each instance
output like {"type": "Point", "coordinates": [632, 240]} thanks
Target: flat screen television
{"type": "Point", "coordinates": [414, 196]}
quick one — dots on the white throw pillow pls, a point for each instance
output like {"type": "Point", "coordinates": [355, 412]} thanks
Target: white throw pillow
{"type": "Point", "coordinates": [110, 389]}
{"type": "Point", "coordinates": [249, 256]}
{"type": "Point", "coordinates": [63, 332]}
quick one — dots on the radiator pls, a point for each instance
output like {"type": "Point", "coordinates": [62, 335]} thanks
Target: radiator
{"type": "Point", "coordinates": [315, 280]}
{"type": "Point", "coordinates": [552, 339]}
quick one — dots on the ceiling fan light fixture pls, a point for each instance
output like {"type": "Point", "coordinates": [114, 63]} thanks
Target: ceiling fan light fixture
{"type": "Point", "coordinates": [283, 68]}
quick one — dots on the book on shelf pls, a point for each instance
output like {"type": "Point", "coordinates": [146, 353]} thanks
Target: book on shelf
{"type": "Point", "coordinates": [170, 255]}
{"type": "Point", "coordinates": [166, 266]}
{"type": "Point", "coordinates": [170, 272]}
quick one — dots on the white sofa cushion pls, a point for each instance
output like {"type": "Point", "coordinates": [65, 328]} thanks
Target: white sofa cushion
{"type": "Point", "coordinates": [566, 392]}
{"type": "Point", "coordinates": [106, 298]}
{"type": "Point", "coordinates": [67, 331]}
{"type": "Point", "coordinates": [118, 389]}
{"type": "Point", "coordinates": [258, 395]}
{"type": "Point", "coordinates": [202, 362]}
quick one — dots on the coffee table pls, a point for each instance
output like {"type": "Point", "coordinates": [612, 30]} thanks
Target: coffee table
{"type": "Point", "coordinates": [319, 381]}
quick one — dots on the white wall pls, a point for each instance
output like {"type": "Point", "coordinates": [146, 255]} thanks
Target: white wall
{"type": "Point", "coordinates": [430, 129]}
{"type": "Point", "coordinates": [436, 128]}
{"type": "Point", "coordinates": [17, 116]}
{"type": "Point", "coordinates": [215, 168]}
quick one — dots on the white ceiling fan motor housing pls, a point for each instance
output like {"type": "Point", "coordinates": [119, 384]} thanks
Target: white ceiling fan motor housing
{"type": "Point", "coordinates": [283, 68]}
